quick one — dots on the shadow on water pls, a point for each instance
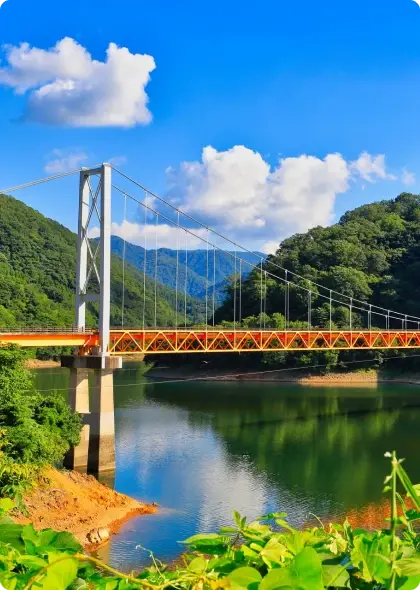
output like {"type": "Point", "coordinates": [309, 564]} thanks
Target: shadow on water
{"type": "Point", "coordinates": [202, 449]}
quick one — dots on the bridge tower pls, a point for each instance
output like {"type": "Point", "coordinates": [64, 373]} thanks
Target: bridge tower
{"type": "Point", "coordinates": [94, 397]}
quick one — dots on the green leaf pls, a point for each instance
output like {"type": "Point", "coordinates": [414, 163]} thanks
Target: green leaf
{"type": "Point", "coordinates": [335, 575]}
{"type": "Point", "coordinates": [274, 552]}
{"type": "Point", "coordinates": [31, 561]}
{"type": "Point", "coordinates": [61, 573]}
{"type": "Point", "coordinates": [409, 566]}
{"type": "Point", "coordinates": [303, 573]}
{"type": "Point", "coordinates": [237, 518]}
{"type": "Point", "coordinates": [198, 565]}
{"type": "Point", "coordinates": [12, 535]}
{"type": "Point", "coordinates": [245, 578]}
{"type": "Point", "coordinates": [412, 514]}
{"type": "Point", "coordinates": [411, 583]}
{"type": "Point", "coordinates": [6, 504]}
{"type": "Point", "coordinates": [67, 541]}
{"type": "Point", "coordinates": [207, 539]}
{"type": "Point", "coordinates": [30, 534]}
{"type": "Point", "coordinates": [371, 555]}
{"type": "Point", "coordinates": [272, 516]}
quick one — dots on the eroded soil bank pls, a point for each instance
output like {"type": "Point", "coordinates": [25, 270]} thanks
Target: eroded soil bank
{"type": "Point", "coordinates": [78, 503]}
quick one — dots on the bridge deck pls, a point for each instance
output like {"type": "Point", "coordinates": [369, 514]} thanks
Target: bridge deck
{"type": "Point", "coordinates": [171, 341]}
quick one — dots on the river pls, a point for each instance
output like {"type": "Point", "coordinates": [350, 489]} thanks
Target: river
{"type": "Point", "coordinates": [203, 449]}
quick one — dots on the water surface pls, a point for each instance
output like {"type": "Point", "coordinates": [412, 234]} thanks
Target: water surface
{"type": "Point", "coordinates": [202, 450]}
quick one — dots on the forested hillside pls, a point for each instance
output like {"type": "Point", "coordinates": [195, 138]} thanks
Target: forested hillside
{"type": "Point", "coordinates": [37, 276]}
{"type": "Point", "coordinates": [372, 253]}
{"type": "Point", "coordinates": [196, 266]}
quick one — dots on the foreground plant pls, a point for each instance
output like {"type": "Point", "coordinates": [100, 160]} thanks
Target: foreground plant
{"type": "Point", "coordinates": [266, 554]}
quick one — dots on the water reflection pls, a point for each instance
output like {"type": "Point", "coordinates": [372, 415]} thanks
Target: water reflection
{"type": "Point", "coordinates": [202, 449]}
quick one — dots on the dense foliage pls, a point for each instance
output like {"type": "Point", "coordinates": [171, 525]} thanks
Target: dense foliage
{"type": "Point", "coordinates": [371, 254]}
{"type": "Point", "coordinates": [37, 272]}
{"type": "Point", "coordinates": [267, 554]}
{"type": "Point", "coordinates": [35, 430]}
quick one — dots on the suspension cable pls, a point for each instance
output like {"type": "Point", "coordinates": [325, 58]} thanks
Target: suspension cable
{"type": "Point", "coordinates": [156, 265]}
{"type": "Point", "coordinates": [123, 264]}
{"type": "Point", "coordinates": [19, 187]}
{"type": "Point", "coordinates": [253, 266]}
{"type": "Point", "coordinates": [177, 272]}
{"type": "Point", "coordinates": [214, 283]}
{"type": "Point", "coordinates": [186, 277]}
{"type": "Point", "coordinates": [144, 260]}
{"type": "Point", "coordinates": [267, 261]}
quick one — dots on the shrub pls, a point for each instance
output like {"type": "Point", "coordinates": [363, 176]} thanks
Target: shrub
{"type": "Point", "coordinates": [36, 430]}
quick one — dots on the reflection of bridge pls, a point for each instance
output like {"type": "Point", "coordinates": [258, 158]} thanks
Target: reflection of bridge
{"type": "Point", "coordinates": [343, 322]}
{"type": "Point", "coordinates": [170, 340]}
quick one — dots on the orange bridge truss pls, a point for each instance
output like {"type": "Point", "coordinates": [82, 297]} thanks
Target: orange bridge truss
{"type": "Point", "coordinates": [170, 341]}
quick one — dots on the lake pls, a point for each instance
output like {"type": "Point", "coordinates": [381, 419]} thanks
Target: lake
{"type": "Point", "coordinates": [202, 450]}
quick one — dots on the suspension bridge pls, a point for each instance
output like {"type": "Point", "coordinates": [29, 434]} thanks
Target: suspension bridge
{"type": "Point", "coordinates": [368, 326]}
{"type": "Point", "coordinates": [100, 348]}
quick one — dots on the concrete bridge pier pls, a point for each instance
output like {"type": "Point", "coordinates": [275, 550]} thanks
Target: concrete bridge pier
{"type": "Point", "coordinates": [95, 401]}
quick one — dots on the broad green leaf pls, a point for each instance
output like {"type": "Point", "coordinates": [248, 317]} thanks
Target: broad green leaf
{"type": "Point", "coordinates": [335, 575]}
{"type": "Point", "coordinates": [61, 573]}
{"type": "Point", "coordinates": [9, 580]}
{"type": "Point", "coordinates": [274, 552]}
{"type": "Point", "coordinates": [221, 565]}
{"type": "Point", "coordinates": [30, 534]}
{"type": "Point", "coordinates": [206, 539]}
{"type": "Point", "coordinates": [371, 555]}
{"type": "Point", "coordinates": [411, 583]}
{"type": "Point", "coordinates": [245, 578]}
{"type": "Point", "coordinates": [67, 541]}
{"type": "Point", "coordinates": [12, 535]}
{"type": "Point", "coordinates": [47, 537]}
{"type": "Point", "coordinates": [31, 561]}
{"type": "Point", "coordinates": [6, 504]}
{"type": "Point", "coordinates": [272, 516]}
{"type": "Point", "coordinates": [409, 566]}
{"type": "Point", "coordinates": [303, 573]}
{"type": "Point", "coordinates": [197, 565]}
{"type": "Point", "coordinates": [228, 530]}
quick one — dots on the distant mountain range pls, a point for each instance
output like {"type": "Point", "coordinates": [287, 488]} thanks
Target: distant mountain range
{"type": "Point", "coordinates": [196, 266]}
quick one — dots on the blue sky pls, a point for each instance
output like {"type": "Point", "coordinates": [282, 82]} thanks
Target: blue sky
{"type": "Point", "coordinates": [282, 79]}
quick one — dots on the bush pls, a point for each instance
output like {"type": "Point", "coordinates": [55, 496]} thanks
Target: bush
{"type": "Point", "coordinates": [35, 430]}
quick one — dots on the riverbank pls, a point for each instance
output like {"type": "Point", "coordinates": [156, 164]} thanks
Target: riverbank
{"type": "Point", "coordinates": [369, 377]}
{"type": "Point", "coordinates": [79, 504]}
{"type": "Point", "coordinates": [37, 364]}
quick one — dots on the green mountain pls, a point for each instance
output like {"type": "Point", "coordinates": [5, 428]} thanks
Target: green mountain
{"type": "Point", "coordinates": [371, 254]}
{"type": "Point", "coordinates": [37, 277]}
{"type": "Point", "coordinates": [195, 267]}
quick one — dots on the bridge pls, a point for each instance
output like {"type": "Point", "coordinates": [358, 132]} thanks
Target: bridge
{"type": "Point", "coordinates": [169, 341]}
{"type": "Point", "coordinates": [363, 325]}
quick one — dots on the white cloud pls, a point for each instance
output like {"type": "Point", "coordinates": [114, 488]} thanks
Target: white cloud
{"type": "Point", "coordinates": [408, 177]}
{"type": "Point", "coordinates": [117, 161]}
{"type": "Point", "coordinates": [67, 87]}
{"type": "Point", "coordinates": [371, 167]}
{"type": "Point", "coordinates": [238, 193]}
{"type": "Point", "coordinates": [63, 161]}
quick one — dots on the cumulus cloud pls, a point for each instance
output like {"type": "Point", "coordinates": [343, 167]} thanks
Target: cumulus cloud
{"type": "Point", "coordinates": [408, 177]}
{"type": "Point", "coordinates": [238, 192]}
{"type": "Point", "coordinates": [371, 167]}
{"type": "Point", "coordinates": [65, 86]}
{"type": "Point", "coordinates": [64, 160]}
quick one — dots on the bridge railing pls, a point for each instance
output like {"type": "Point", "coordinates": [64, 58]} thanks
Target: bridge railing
{"type": "Point", "coordinates": [43, 330]}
